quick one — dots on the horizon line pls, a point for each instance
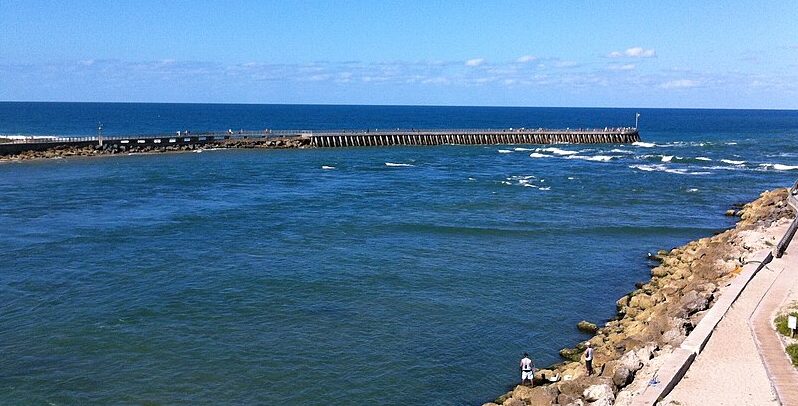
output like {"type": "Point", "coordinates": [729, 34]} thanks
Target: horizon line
{"type": "Point", "coordinates": [401, 105]}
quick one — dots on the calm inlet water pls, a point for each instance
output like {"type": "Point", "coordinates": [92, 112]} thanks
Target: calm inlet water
{"type": "Point", "coordinates": [342, 276]}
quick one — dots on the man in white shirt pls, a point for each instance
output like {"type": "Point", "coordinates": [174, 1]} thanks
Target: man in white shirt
{"type": "Point", "coordinates": [589, 358]}
{"type": "Point", "coordinates": [527, 369]}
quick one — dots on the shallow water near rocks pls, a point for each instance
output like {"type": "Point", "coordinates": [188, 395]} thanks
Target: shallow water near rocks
{"type": "Point", "coordinates": [338, 276]}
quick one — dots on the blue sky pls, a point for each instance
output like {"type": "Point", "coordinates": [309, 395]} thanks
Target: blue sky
{"type": "Point", "coordinates": [732, 54]}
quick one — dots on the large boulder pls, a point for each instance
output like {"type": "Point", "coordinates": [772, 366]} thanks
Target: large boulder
{"type": "Point", "coordinates": [599, 395]}
{"type": "Point", "coordinates": [537, 396]}
{"type": "Point", "coordinates": [693, 302]}
{"type": "Point", "coordinates": [587, 327]}
{"type": "Point", "coordinates": [513, 402]}
{"type": "Point", "coordinates": [631, 361]}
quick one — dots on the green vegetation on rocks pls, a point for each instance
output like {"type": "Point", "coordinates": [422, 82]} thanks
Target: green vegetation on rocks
{"type": "Point", "coordinates": [587, 327]}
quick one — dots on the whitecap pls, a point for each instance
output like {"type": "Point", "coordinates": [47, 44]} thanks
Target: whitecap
{"type": "Point", "coordinates": [667, 158]}
{"type": "Point", "coordinates": [693, 190]}
{"type": "Point", "coordinates": [556, 151]}
{"type": "Point", "coordinates": [664, 168]}
{"type": "Point", "coordinates": [570, 178]}
{"type": "Point", "coordinates": [595, 158]}
{"type": "Point", "coordinates": [326, 167]}
{"type": "Point", "coordinates": [545, 188]}
{"type": "Point", "coordinates": [519, 149]}
{"type": "Point", "coordinates": [528, 185]}
{"type": "Point", "coordinates": [780, 167]}
{"type": "Point", "coordinates": [644, 144]}
{"type": "Point", "coordinates": [703, 158]}
{"type": "Point", "coordinates": [505, 151]}
{"type": "Point", "coordinates": [537, 155]}
{"type": "Point", "coordinates": [731, 143]}
{"type": "Point", "coordinates": [471, 179]}
{"type": "Point", "coordinates": [729, 161]}
{"type": "Point", "coordinates": [621, 151]}
{"type": "Point", "coordinates": [395, 164]}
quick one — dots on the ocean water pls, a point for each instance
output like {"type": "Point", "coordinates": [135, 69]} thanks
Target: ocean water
{"type": "Point", "coordinates": [396, 275]}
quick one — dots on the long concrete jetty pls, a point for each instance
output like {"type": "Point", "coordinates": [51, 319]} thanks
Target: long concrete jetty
{"type": "Point", "coordinates": [474, 137]}
{"type": "Point", "coordinates": [325, 138]}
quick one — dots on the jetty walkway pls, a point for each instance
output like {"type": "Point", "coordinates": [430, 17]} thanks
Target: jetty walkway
{"type": "Point", "coordinates": [329, 138]}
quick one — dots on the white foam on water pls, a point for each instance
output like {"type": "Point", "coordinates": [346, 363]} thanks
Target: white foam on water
{"type": "Point", "coordinates": [693, 190]}
{"type": "Point", "coordinates": [556, 151]}
{"type": "Point", "coordinates": [595, 158]}
{"type": "Point", "coordinates": [504, 182]}
{"type": "Point", "coordinates": [667, 158]}
{"type": "Point", "coordinates": [780, 167]}
{"type": "Point", "coordinates": [505, 151]}
{"type": "Point", "coordinates": [731, 143]}
{"type": "Point", "coordinates": [538, 155]}
{"type": "Point", "coordinates": [197, 151]}
{"type": "Point", "coordinates": [703, 158]}
{"type": "Point", "coordinates": [664, 168]}
{"type": "Point", "coordinates": [519, 149]}
{"type": "Point", "coordinates": [730, 168]}
{"type": "Point", "coordinates": [529, 185]}
{"type": "Point", "coordinates": [545, 188]}
{"type": "Point", "coordinates": [644, 144]}
{"type": "Point", "coordinates": [731, 162]}
{"type": "Point", "coordinates": [471, 179]}
{"type": "Point", "coordinates": [570, 178]}
{"type": "Point", "coordinates": [621, 151]}
{"type": "Point", "coordinates": [397, 165]}
{"type": "Point", "coordinates": [327, 167]}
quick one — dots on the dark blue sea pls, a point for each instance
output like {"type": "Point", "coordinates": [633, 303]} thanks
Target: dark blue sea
{"type": "Point", "coordinates": [394, 275]}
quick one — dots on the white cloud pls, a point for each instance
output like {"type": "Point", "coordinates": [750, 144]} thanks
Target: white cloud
{"type": "Point", "coordinates": [679, 84]}
{"type": "Point", "coordinates": [475, 62]}
{"type": "Point", "coordinates": [526, 58]}
{"type": "Point", "coordinates": [634, 52]}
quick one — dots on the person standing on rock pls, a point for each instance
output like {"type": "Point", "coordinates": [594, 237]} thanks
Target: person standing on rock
{"type": "Point", "coordinates": [589, 358]}
{"type": "Point", "coordinates": [527, 369]}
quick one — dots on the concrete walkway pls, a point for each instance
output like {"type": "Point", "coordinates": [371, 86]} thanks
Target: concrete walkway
{"type": "Point", "coordinates": [731, 370]}
{"type": "Point", "coordinates": [784, 291]}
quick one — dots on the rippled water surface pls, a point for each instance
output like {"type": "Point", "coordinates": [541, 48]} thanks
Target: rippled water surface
{"type": "Point", "coordinates": [394, 275]}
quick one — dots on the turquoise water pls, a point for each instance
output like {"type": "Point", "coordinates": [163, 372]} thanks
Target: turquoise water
{"type": "Point", "coordinates": [400, 276]}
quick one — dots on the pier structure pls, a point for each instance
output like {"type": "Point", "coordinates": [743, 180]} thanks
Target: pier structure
{"type": "Point", "coordinates": [327, 138]}
{"type": "Point", "coordinates": [473, 137]}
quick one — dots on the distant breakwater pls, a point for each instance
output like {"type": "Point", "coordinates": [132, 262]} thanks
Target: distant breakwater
{"type": "Point", "coordinates": [52, 147]}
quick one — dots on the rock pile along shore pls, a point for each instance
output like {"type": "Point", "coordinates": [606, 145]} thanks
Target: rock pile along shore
{"type": "Point", "coordinates": [656, 317]}
{"type": "Point", "coordinates": [64, 151]}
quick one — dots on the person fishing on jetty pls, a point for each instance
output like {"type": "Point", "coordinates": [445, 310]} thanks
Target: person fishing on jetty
{"type": "Point", "coordinates": [589, 358]}
{"type": "Point", "coordinates": [527, 370]}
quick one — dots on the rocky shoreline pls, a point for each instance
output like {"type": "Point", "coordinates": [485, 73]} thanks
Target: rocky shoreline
{"type": "Point", "coordinates": [656, 317]}
{"type": "Point", "coordinates": [64, 151]}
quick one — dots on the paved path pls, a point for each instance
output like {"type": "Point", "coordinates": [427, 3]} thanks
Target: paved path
{"type": "Point", "coordinates": [730, 369]}
{"type": "Point", "coordinates": [784, 291]}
